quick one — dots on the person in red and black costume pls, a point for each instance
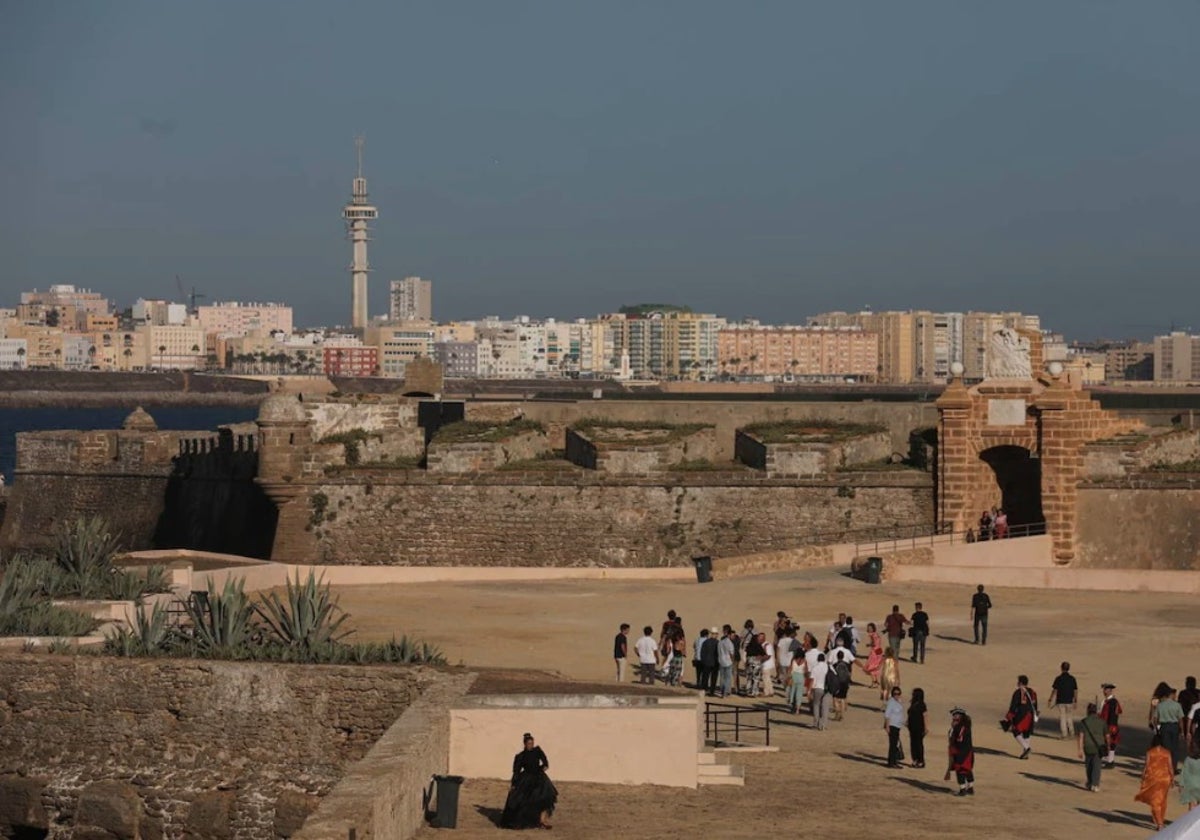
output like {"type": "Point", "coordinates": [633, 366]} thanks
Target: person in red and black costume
{"type": "Point", "coordinates": [1022, 715]}
{"type": "Point", "coordinates": [962, 752]}
{"type": "Point", "coordinates": [1110, 713]}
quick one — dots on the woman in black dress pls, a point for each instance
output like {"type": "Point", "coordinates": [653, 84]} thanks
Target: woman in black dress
{"type": "Point", "coordinates": [918, 725]}
{"type": "Point", "coordinates": [532, 797]}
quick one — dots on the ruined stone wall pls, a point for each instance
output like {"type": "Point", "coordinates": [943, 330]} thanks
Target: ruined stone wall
{"type": "Point", "coordinates": [475, 456]}
{"type": "Point", "coordinates": [185, 748]}
{"type": "Point", "coordinates": [546, 519]}
{"type": "Point", "coordinates": [1148, 522]}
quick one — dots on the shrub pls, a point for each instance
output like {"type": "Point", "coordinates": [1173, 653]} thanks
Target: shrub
{"type": "Point", "coordinates": [85, 546]}
{"type": "Point", "coordinates": [151, 634]}
{"type": "Point", "coordinates": [222, 622]}
{"type": "Point", "coordinates": [307, 617]}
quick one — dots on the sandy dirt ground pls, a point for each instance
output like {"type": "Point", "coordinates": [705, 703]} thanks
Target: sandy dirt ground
{"type": "Point", "coordinates": [832, 783]}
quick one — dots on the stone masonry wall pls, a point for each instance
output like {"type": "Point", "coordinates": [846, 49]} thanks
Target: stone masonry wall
{"type": "Point", "coordinates": [538, 519]}
{"type": "Point", "coordinates": [209, 749]}
{"type": "Point", "coordinates": [1151, 522]}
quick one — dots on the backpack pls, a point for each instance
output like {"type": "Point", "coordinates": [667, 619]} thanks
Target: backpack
{"type": "Point", "coordinates": [846, 637]}
{"type": "Point", "coordinates": [831, 681]}
{"type": "Point", "coordinates": [843, 672]}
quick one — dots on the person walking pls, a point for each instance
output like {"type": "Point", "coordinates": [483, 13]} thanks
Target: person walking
{"type": "Point", "coordinates": [919, 632]}
{"type": "Point", "coordinates": [1091, 746]}
{"type": "Point", "coordinates": [1110, 713]}
{"type": "Point", "coordinates": [1157, 779]}
{"type": "Point", "coordinates": [981, 605]}
{"type": "Point", "coordinates": [842, 664]}
{"type": "Point", "coordinates": [893, 721]}
{"type": "Point", "coordinates": [710, 657]}
{"type": "Point", "coordinates": [726, 659]}
{"type": "Point", "coordinates": [754, 658]}
{"type": "Point", "coordinates": [1168, 717]}
{"type": "Point", "coordinates": [678, 642]}
{"type": "Point", "coordinates": [1188, 698]}
{"type": "Point", "coordinates": [822, 697]}
{"type": "Point", "coordinates": [962, 752]}
{"type": "Point", "coordinates": [889, 674]}
{"type": "Point", "coordinates": [893, 625]}
{"type": "Point", "coordinates": [1022, 715]}
{"type": "Point", "coordinates": [621, 651]}
{"type": "Point", "coordinates": [532, 796]}
{"type": "Point", "coordinates": [874, 654]}
{"type": "Point", "coordinates": [647, 653]}
{"type": "Point", "coordinates": [1189, 777]}
{"type": "Point", "coordinates": [1063, 692]}
{"type": "Point", "coordinates": [918, 727]}
{"type": "Point", "coordinates": [769, 671]}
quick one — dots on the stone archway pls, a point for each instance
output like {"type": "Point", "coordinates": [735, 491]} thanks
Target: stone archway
{"type": "Point", "coordinates": [1019, 478]}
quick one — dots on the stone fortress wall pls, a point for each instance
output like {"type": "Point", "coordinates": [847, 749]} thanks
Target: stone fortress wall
{"type": "Point", "coordinates": [334, 480]}
{"type": "Point", "coordinates": [173, 748]}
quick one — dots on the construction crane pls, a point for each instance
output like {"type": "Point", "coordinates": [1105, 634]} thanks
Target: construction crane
{"type": "Point", "coordinates": [191, 299]}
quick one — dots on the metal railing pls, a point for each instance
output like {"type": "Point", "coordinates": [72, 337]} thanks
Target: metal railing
{"type": "Point", "coordinates": [727, 717]}
{"type": "Point", "coordinates": [943, 534]}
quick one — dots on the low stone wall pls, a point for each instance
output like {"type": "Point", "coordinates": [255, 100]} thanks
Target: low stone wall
{"type": "Point", "coordinates": [809, 458]}
{"type": "Point", "coordinates": [182, 747]}
{"type": "Point", "coordinates": [544, 519]}
{"type": "Point", "coordinates": [382, 797]}
{"type": "Point", "coordinates": [631, 457]}
{"type": "Point", "coordinates": [481, 456]}
{"type": "Point", "coordinates": [1108, 461]}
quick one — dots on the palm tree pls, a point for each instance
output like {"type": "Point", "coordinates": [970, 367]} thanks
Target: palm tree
{"type": "Point", "coordinates": [162, 350]}
{"type": "Point", "coordinates": [21, 357]}
{"type": "Point", "coordinates": [127, 354]}
{"type": "Point", "coordinates": [753, 359]}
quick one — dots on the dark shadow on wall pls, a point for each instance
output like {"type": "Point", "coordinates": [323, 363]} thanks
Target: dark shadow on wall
{"type": "Point", "coordinates": [1019, 476]}
{"type": "Point", "coordinates": [212, 502]}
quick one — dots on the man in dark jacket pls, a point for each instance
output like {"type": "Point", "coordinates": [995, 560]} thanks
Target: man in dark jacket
{"type": "Point", "coordinates": [710, 661]}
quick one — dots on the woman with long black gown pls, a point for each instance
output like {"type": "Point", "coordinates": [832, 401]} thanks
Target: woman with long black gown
{"type": "Point", "coordinates": [532, 797]}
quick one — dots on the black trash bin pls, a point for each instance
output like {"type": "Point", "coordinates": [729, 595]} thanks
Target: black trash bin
{"type": "Point", "coordinates": [703, 569]}
{"type": "Point", "coordinates": [447, 801]}
{"type": "Point", "coordinates": [874, 569]}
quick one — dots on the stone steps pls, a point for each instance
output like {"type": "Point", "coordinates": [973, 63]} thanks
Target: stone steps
{"type": "Point", "coordinates": [711, 769]}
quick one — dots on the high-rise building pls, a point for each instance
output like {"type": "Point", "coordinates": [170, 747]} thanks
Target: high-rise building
{"type": "Point", "coordinates": [411, 299]}
{"type": "Point", "coordinates": [1177, 357]}
{"type": "Point", "coordinates": [670, 344]}
{"type": "Point", "coordinates": [357, 214]}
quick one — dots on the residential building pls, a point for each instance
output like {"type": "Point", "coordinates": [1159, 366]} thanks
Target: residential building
{"type": "Point", "coordinates": [793, 352]}
{"type": "Point", "coordinates": [399, 345]}
{"type": "Point", "coordinates": [411, 299]}
{"type": "Point", "coordinates": [159, 313]}
{"type": "Point", "coordinates": [1129, 361]}
{"type": "Point", "coordinates": [235, 318]}
{"type": "Point", "coordinates": [938, 338]}
{"type": "Point", "coordinates": [123, 350]}
{"type": "Point", "coordinates": [43, 345]}
{"type": "Point", "coordinates": [459, 359]}
{"type": "Point", "coordinates": [350, 360]}
{"type": "Point", "coordinates": [13, 353]}
{"type": "Point", "coordinates": [978, 328]}
{"type": "Point", "coordinates": [175, 347]}
{"type": "Point", "coordinates": [896, 334]}
{"type": "Point", "coordinates": [81, 302]}
{"type": "Point", "coordinates": [79, 352]}
{"type": "Point", "coordinates": [671, 344]}
{"type": "Point", "coordinates": [1177, 357]}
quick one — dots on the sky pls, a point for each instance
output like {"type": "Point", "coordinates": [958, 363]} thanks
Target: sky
{"type": "Point", "coordinates": [767, 160]}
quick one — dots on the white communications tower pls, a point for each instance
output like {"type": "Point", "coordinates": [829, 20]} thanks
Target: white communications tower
{"type": "Point", "coordinates": [357, 213]}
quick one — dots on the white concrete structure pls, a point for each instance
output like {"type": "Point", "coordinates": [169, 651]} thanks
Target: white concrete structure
{"type": "Point", "coordinates": [357, 214]}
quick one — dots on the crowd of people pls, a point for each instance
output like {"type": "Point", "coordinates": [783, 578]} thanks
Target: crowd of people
{"type": "Point", "coordinates": [814, 669]}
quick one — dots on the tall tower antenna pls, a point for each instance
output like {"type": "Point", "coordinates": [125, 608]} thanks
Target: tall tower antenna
{"type": "Point", "coordinates": [357, 214]}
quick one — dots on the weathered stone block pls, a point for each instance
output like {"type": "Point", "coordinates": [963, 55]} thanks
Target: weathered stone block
{"type": "Point", "coordinates": [112, 806]}
{"type": "Point", "coordinates": [21, 804]}
{"type": "Point", "coordinates": [291, 810]}
{"type": "Point", "coordinates": [209, 816]}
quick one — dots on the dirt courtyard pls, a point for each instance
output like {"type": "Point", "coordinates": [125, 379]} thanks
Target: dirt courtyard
{"type": "Point", "coordinates": [832, 783]}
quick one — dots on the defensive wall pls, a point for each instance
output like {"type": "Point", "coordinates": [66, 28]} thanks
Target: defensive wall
{"type": "Point", "coordinates": [173, 748]}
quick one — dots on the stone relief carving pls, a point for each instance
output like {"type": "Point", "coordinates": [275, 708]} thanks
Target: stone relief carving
{"type": "Point", "coordinates": [1008, 355]}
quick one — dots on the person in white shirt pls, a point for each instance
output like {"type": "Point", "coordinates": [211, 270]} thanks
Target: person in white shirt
{"type": "Point", "coordinates": [647, 652]}
{"type": "Point", "coordinates": [817, 674]}
{"type": "Point", "coordinates": [725, 660]}
{"type": "Point", "coordinates": [768, 668]}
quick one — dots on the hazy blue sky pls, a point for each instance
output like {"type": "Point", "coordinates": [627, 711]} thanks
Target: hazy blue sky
{"type": "Point", "coordinates": [559, 158]}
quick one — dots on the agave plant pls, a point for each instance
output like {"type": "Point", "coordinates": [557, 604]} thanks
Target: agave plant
{"type": "Point", "coordinates": [85, 546]}
{"type": "Point", "coordinates": [17, 591]}
{"type": "Point", "coordinates": [222, 622]}
{"type": "Point", "coordinates": [307, 617]}
{"type": "Point", "coordinates": [151, 634]}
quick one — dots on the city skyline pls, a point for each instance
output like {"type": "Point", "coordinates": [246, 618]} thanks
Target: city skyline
{"type": "Point", "coordinates": [771, 163]}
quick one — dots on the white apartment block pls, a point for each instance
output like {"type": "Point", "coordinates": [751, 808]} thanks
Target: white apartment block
{"type": "Point", "coordinates": [159, 313]}
{"type": "Point", "coordinates": [410, 299]}
{"type": "Point", "coordinates": [13, 353]}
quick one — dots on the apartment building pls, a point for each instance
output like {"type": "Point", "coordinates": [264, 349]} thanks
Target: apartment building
{"type": "Point", "coordinates": [1131, 360]}
{"type": "Point", "coordinates": [14, 353]}
{"type": "Point", "coordinates": [64, 298]}
{"type": "Point", "coordinates": [794, 352]}
{"type": "Point", "coordinates": [175, 347]}
{"type": "Point", "coordinates": [459, 359]}
{"type": "Point", "coordinates": [399, 345]}
{"type": "Point", "coordinates": [235, 318]}
{"type": "Point", "coordinates": [410, 299]}
{"type": "Point", "coordinates": [1177, 357]}
{"type": "Point", "coordinates": [349, 360]}
{"type": "Point", "coordinates": [670, 344]}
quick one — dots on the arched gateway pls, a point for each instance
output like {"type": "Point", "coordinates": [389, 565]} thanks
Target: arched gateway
{"type": "Point", "coordinates": [1015, 440]}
